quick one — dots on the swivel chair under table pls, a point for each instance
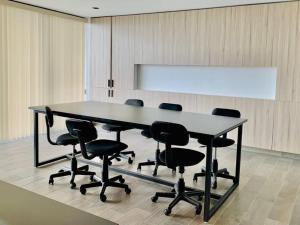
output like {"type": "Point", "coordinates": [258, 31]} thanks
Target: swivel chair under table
{"type": "Point", "coordinates": [118, 129]}
{"type": "Point", "coordinates": [176, 134]}
{"type": "Point", "coordinates": [146, 133]}
{"type": "Point", "coordinates": [219, 142]}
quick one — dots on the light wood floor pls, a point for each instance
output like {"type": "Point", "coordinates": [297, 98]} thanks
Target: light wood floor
{"type": "Point", "coordinates": [268, 194]}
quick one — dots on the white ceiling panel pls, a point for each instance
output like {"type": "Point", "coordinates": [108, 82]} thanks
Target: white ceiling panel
{"type": "Point", "coordinates": [84, 8]}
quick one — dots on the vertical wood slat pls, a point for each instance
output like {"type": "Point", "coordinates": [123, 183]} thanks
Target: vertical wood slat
{"type": "Point", "coordinates": [286, 127]}
{"type": "Point", "coordinates": [41, 63]}
{"type": "Point", "coordinates": [123, 41]}
{"type": "Point", "coordinates": [100, 51]}
{"type": "Point", "coordinates": [282, 24]}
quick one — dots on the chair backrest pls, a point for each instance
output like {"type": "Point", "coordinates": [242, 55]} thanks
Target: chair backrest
{"type": "Point", "coordinates": [49, 123]}
{"type": "Point", "coordinates": [134, 102]}
{"type": "Point", "coordinates": [169, 134]}
{"type": "Point", "coordinates": [226, 112]}
{"type": "Point", "coordinates": [49, 117]}
{"type": "Point", "coordinates": [170, 106]}
{"type": "Point", "coordinates": [85, 131]}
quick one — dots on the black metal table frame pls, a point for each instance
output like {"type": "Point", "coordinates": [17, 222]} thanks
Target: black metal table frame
{"type": "Point", "coordinates": [208, 211]}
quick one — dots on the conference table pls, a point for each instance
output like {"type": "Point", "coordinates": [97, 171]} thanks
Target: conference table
{"type": "Point", "coordinates": [142, 118]}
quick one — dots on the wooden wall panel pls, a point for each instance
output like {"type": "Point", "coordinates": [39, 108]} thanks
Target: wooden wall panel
{"type": "Point", "coordinates": [152, 98]}
{"type": "Point", "coordinates": [266, 35]}
{"type": "Point", "coordinates": [123, 52]}
{"type": "Point", "coordinates": [282, 28]}
{"type": "Point", "coordinates": [165, 38]}
{"type": "Point", "coordinates": [146, 41]}
{"type": "Point", "coordinates": [188, 101]}
{"type": "Point", "coordinates": [206, 103]}
{"type": "Point", "coordinates": [121, 95]}
{"type": "Point", "coordinates": [100, 51]}
{"type": "Point", "coordinates": [194, 36]}
{"type": "Point", "coordinates": [237, 44]}
{"type": "Point", "coordinates": [286, 127]}
{"type": "Point", "coordinates": [99, 94]}
{"type": "Point", "coordinates": [260, 114]}
{"type": "Point", "coordinates": [215, 32]}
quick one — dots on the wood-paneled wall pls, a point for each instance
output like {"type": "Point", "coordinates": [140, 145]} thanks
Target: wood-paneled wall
{"type": "Point", "coordinates": [101, 51]}
{"type": "Point", "coordinates": [41, 62]}
{"type": "Point", "coordinates": [266, 35]}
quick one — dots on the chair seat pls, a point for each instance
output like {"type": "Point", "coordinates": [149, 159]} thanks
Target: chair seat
{"type": "Point", "coordinates": [66, 139]}
{"type": "Point", "coordinates": [105, 147]}
{"type": "Point", "coordinates": [114, 128]}
{"type": "Point", "coordinates": [218, 142]}
{"type": "Point", "coordinates": [183, 157]}
{"type": "Point", "coordinates": [146, 133]}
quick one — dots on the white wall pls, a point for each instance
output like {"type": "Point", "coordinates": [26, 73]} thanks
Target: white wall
{"type": "Point", "coordinates": [249, 82]}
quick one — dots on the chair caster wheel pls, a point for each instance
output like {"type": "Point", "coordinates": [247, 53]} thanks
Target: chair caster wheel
{"type": "Point", "coordinates": [86, 168]}
{"type": "Point", "coordinates": [154, 198]}
{"type": "Point", "coordinates": [118, 159]}
{"type": "Point", "coordinates": [51, 181]}
{"type": "Point", "coordinates": [130, 161]}
{"type": "Point", "coordinates": [226, 173]}
{"type": "Point", "coordinates": [133, 155]}
{"type": "Point", "coordinates": [139, 169]}
{"type": "Point", "coordinates": [128, 190]}
{"type": "Point", "coordinates": [167, 211]}
{"type": "Point", "coordinates": [214, 186]}
{"type": "Point", "coordinates": [174, 172]}
{"type": "Point", "coordinates": [103, 198]}
{"type": "Point", "coordinates": [72, 185]}
{"type": "Point", "coordinates": [200, 198]}
{"type": "Point", "coordinates": [195, 179]}
{"type": "Point", "coordinates": [198, 209]}
{"type": "Point", "coordinates": [122, 180]}
{"type": "Point", "coordinates": [60, 171]}
{"type": "Point", "coordinates": [110, 163]}
{"type": "Point", "coordinates": [92, 178]}
{"type": "Point", "coordinates": [82, 190]}
{"type": "Point", "coordinates": [154, 173]}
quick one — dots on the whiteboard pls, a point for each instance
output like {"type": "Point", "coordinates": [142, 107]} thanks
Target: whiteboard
{"type": "Point", "coordinates": [248, 82]}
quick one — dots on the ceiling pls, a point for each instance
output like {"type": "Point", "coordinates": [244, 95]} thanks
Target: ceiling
{"type": "Point", "coordinates": [84, 8]}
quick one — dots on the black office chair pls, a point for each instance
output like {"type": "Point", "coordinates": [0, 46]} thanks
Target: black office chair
{"type": "Point", "coordinates": [65, 139]}
{"type": "Point", "coordinates": [147, 134]}
{"type": "Point", "coordinates": [176, 134]}
{"type": "Point", "coordinates": [118, 129]}
{"type": "Point", "coordinates": [219, 142]}
{"type": "Point", "coordinates": [91, 148]}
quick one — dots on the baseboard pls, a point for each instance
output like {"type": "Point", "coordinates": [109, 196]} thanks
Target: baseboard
{"type": "Point", "coordinates": [269, 152]}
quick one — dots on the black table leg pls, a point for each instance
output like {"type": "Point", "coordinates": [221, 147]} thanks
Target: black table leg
{"type": "Point", "coordinates": [36, 138]}
{"type": "Point", "coordinates": [208, 182]}
{"type": "Point", "coordinates": [238, 155]}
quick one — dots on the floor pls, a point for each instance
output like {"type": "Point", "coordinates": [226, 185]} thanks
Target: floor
{"type": "Point", "coordinates": [269, 191]}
